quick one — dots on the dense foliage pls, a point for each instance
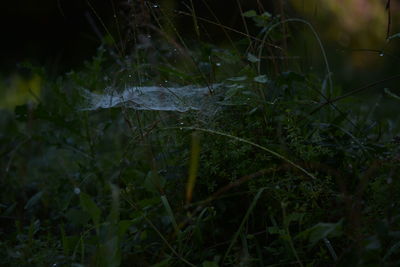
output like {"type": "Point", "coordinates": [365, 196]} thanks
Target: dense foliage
{"type": "Point", "coordinates": [273, 174]}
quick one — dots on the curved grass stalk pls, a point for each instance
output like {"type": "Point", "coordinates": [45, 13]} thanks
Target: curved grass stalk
{"type": "Point", "coordinates": [255, 145]}
{"type": "Point", "coordinates": [328, 69]}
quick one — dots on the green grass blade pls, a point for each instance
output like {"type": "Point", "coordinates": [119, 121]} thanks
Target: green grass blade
{"type": "Point", "coordinates": [235, 237]}
{"type": "Point", "coordinates": [194, 166]}
{"type": "Point", "coordinates": [171, 216]}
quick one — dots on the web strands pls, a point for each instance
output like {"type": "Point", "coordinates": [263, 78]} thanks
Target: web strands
{"type": "Point", "coordinates": [181, 99]}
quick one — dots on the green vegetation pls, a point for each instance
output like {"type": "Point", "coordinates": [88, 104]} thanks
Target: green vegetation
{"type": "Point", "coordinates": [277, 175]}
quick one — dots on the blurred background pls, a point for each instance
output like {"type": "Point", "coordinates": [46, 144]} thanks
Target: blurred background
{"type": "Point", "coordinates": [59, 35]}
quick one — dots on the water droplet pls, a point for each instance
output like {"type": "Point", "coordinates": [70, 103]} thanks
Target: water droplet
{"type": "Point", "coordinates": [166, 81]}
{"type": "Point", "coordinates": [181, 123]}
{"type": "Point", "coordinates": [218, 64]}
{"type": "Point", "coordinates": [155, 6]}
{"type": "Point", "coordinates": [77, 190]}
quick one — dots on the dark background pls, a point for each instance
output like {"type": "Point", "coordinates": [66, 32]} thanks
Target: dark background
{"type": "Point", "coordinates": [54, 33]}
{"type": "Point", "coordinates": [57, 34]}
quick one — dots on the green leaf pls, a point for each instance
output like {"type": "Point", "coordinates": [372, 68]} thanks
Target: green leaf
{"type": "Point", "coordinates": [322, 230]}
{"type": "Point", "coordinates": [250, 14]}
{"type": "Point", "coordinates": [33, 200]}
{"type": "Point", "coordinates": [171, 215]}
{"type": "Point", "coordinates": [252, 58]}
{"type": "Point", "coordinates": [266, 15]}
{"type": "Point", "coordinates": [261, 79]}
{"type": "Point", "coordinates": [275, 230]}
{"type": "Point", "coordinates": [90, 207]}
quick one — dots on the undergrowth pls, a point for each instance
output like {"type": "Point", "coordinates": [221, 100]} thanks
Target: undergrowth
{"type": "Point", "coordinates": [277, 175]}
